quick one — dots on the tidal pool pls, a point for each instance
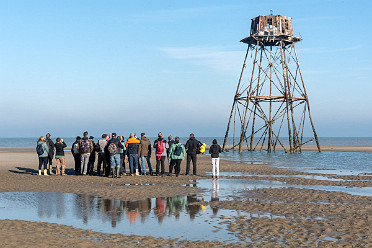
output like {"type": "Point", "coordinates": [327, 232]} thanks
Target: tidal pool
{"type": "Point", "coordinates": [183, 217]}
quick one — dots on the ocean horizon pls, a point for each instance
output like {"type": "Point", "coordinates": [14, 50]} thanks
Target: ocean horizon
{"type": "Point", "coordinates": [324, 141]}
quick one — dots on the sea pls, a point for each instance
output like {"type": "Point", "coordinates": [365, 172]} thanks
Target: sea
{"type": "Point", "coordinates": [324, 141]}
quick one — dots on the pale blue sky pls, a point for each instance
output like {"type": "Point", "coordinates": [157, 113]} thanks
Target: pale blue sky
{"type": "Point", "coordinates": [172, 66]}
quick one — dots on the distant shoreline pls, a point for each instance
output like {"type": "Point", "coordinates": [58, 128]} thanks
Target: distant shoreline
{"type": "Point", "coordinates": [341, 148]}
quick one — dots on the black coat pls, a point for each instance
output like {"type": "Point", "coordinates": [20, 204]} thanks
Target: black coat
{"type": "Point", "coordinates": [59, 148]}
{"type": "Point", "coordinates": [170, 143]}
{"type": "Point", "coordinates": [92, 156]}
{"type": "Point", "coordinates": [192, 146]}
{"type": "Point", "coordinates": [50, 145]}
{"type": "Point", "coordinates": [215, 151]}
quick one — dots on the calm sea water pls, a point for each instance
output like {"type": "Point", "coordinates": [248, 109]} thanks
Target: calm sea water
{"type": "Point", "coordinates": [340, 163]}
{"type": "Point", "coordinates": [325, 141]}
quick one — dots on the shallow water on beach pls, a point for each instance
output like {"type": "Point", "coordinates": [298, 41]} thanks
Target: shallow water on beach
{"type": "Point", "coordinates": [229, 188]}
{"type": "Point", "coordinates": [338, 163]}
{"type": "Point", "coordinates": [183, 217]}
{"type": "Point", "coordinates": [315, 177]}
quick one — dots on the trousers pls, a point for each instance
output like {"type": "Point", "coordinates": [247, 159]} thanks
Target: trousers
{"type": "Point", "coordinates": [191, 157]}
{"type": "Point", "coordinates": [160, 162]}
{"type": "Point", "coordinates": [216, 167]}
{"type": "Point", "coordinates": [60, 163]}
{"type": "Point", "coordinates": [84, 163]}
{"type": "Point", "coordinates": [43, 161]}
{"type": "Point", "coordinates": [177, 166]}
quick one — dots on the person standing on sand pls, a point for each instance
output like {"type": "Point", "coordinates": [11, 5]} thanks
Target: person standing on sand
{"type": "Point", "coordinates": [123, 152]}
{"type": "Point", "coordinates": [107, 156]}
{"type": "Point", "coordinates": [132, 151]}
{"type": "Point", "coordinates": [144, 152]}
{"type": "Point", "coordinates": [161, 147]}
{"type": "Point", "coordinates": [100, 148]}
{"type": "Point", "coordinates": [50, 144]}
{"type": "Point", "coordinates": [92, 158]}
{"type": "Point", "coordinates": [85, 148]}
{"type": "Point", "coordinates": [192, 146]}
{"type": "Point", "coordinates": [177, 153]}
{"type": "Point", "coordinates": [170, 143]}
{"type": "Point", "coordinates": [76, 154]}
{"type": "Point", "coordinates": [42, 151]}
{"type": "Point", "coordinates": [114, 146]}
{"type": "Point", "coordinates": [60, 145]}
{"type": "Point", "coordinates": [215, 151]}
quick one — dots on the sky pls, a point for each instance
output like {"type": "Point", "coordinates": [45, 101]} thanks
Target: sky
{"type": "Point", "coordinates": [170, 66]}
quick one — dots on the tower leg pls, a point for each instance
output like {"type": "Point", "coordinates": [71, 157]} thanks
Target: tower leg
{"type": "Point", "coordinates": [307, 101]}
{"type": "Point", "coordinates": [236, 94]}
{"type": "Point", "coordinates": [282, 47]}
{"type": "Point", "coordinates": [243, 129]}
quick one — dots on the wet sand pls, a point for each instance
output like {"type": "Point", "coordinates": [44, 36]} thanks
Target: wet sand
{"type": "Point", "coordinates": [275, 217]}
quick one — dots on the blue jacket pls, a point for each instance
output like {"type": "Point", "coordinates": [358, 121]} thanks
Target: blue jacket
{"type": "Point", "coordinates": [173, 148]}
{"type": "Point", "coordinates": [45, 149]}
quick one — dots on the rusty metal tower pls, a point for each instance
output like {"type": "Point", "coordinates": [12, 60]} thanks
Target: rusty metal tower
{"type": "Point", "coordinates": [271, 97]}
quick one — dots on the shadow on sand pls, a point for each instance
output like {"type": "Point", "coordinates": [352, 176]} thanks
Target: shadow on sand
{"type": "Point", "coordinates": [29, 171]}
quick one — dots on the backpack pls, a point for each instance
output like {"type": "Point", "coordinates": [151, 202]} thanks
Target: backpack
{"type": "Point", "coordinates": [101, 144]}
{"type": "Point", "coordinates": [112, 149]}
{"type": "Point", "coordinates": [75, 148]}
{"type": "Point", "coordinates": [177, 150]}
{"type": "Point", "coordinates": [160, 147]}
{"type": "Point", "coordinates": [84, 148]}
{"type": "Point", "coordinates": [39, 149]}
{"type": "Point", "coordinates": [198, 147]}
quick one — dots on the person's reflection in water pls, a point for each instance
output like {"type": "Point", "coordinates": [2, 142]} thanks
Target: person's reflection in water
{"type": "Point", "coordinates": [132, 211]}
{"type": "Point", "coordinates": [87, 206]}
{"type": "Point", "coordinates": [106, 209]}
{"type": "Point", "coordinates": [144, 208]}
{"type": "Point", "coordinates": [110, 209]}
{"type": "Point", "coordinates": [176, 205]}
{"type": "Point", "coordinates": [45, 205]}
{"type": "Point", "coordinates": [160, 209]}
{"type": "Point", "coordinates": [116, 211]}
{"type": "Point", "coordinates": [215, 197]}
{"type": "Point", "coordinates": [60, 205]}
{"type": "Point", "coordinates": [193, 206]}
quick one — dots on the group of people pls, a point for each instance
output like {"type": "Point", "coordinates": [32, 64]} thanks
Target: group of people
{"type": "Point", "coordinates": [113, 152]}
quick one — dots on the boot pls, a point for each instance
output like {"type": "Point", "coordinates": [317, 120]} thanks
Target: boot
{"type": "Point", "coordinates": [137, 173]}
{"type": "Point", "coordinates": [112, 173]}
{"type": "Point", "coordinates": [46, 172]}
{"type": "Point", "coordinates": [51, 170]}
{"type": "Point", "coordinates": [118, 173]}
{"type": "Point", "coordinates": [39, 172]}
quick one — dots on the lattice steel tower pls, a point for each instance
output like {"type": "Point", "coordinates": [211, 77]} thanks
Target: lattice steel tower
{"type": "Point", "coordinates": [273, 96]}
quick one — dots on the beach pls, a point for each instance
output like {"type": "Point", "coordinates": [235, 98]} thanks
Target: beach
{"type": "Point", "coordinates": [305, 215]}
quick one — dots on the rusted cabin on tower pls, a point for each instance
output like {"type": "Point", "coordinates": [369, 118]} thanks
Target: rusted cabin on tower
{"type": "Point", "coordinates": [271, 29]}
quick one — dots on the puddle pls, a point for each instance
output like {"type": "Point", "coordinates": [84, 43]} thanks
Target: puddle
{"type": "Point", "coordinates": [316, 177]}
{"type": "Point", "coordinates": [230, 188]}
{"type": "Point", "coordinates": [174, 217]}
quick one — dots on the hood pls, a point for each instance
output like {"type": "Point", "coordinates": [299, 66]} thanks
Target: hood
{"type": "Point", "coordinates": [145, 138]}
{"type": "Point", "coordinates": [40, 142]}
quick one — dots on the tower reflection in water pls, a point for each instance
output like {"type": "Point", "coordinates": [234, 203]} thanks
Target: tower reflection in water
{"type": "Point", "coordinates": [86, 207]}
